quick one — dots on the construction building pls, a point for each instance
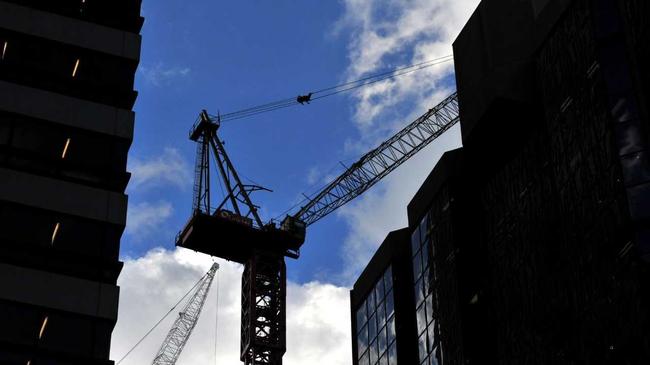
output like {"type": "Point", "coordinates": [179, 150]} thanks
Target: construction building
{"type": "Point", "coordinates": [537, 232]}
{"type": "Point", "coordinates": [67, 69]}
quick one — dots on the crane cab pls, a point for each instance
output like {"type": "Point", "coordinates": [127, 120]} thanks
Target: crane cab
{"type": "Point", "coordinates": [295, 227]}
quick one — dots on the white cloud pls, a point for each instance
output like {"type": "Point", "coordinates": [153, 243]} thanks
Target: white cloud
{"type": "Point", "coordinates": [392, 33]}
{"type": "Point", "coordinates": [145, 218]}
{"type": "Point", "coordinates": [387, 34]}
{"type": "Point", "coordinates": [168, 168]}
{"type": "Point", "coordinates": [160, 75]}
{"type": "Point", "coordinates": [318, 321]}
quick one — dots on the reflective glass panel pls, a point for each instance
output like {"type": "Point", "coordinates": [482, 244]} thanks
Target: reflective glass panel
{"type": "Point", "coordinates": [388, 279]}
{"type": "Point", "coordinates": [392, 355]}
{"type": "Point", "coordinates": [422, 346]}
{"type": "Point", "coordinates": [421, 319]}
{"type": "Point", "coordinates": [381, 341]}
{"type": "Point", "coordinates": [390, 327]}
{"type": "Point", "coordinates": [381, 315]}
{"type": "Point", "coordinates": [417, 265]}
{"type": "Point", "coordinates": [383, 360]}
{"type": "Point", "coordinates": [374, 356]}
{"type": "Point", "coordinates": [372, 327]}
{"type": "Point", "coordinates": [362, 340]}
{"type": "Point", "coordinates": [390, 309]}
{"type": "Point", "coordinates": [379, 289]}
{"type": "Point", "coordinates": [361, 316]}
{"type": "Point", "coordinates": [419, 292]}
{"type": "Point", "coordinates": [415, 241]}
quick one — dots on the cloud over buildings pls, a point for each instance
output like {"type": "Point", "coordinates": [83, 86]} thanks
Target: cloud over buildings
{"type": "Point", "coordinates": [318, 318]}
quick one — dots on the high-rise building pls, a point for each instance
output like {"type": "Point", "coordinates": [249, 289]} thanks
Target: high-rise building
{"type": "Point", "coordinates": [531, 244]}
{"type": "Point", "coordinates": [67, 69]}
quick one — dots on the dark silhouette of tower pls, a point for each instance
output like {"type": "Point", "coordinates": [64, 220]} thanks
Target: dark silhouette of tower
{"type": "Point", "coordinates": [66, 93]}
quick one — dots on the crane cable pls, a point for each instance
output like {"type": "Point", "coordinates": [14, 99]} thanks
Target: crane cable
{"type": "Point", "coordinates": [333, 90]}
{"type": "Point", "coordinates": [160, 321]}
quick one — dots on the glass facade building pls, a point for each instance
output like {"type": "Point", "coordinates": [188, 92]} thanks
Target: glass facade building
{"type": "Point", "coordinates": [380, 304]}
{"type": "Point", "coordinates": [376, 322]}
{"type": "Point", "coordinates": [529, 245]}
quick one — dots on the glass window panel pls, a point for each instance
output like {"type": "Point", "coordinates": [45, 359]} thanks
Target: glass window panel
{"type": "Point", "coordinates": [379, 289]}
{"type": "Point", "coordinates": [390, 330]}
{"type": "Point", "coordinates": [421, 319]}
{"type": "Point", "coordinates": [422, 346]}
{"type": "Point", "coordinates": [372, 305]}
{"type": "Point", "coordinates": [392, 355]}
{"type": "Point", "coordinates": [419, 292]}
{"type": "Point", "coordinates": [390, 307]}
{"type": "Point", "coordinates": [372, 327]}
{"type": "Point", "coordinates": [436, 354]}
{"type": "Point", "coordinates": [364, 359]}
{"type": "Point", "coordinates": [425, 254]}
{"type": "Point", "coordinates": [430, 309]}
{"type": "Point", "coordinates": [362, 340]}
{"type": "Point", "coordinates": [415, 241]}
{"type": "Point", "coordinates": [417, 265]}
{"type": "Point", "coordinates": [426, 280]}
{"type": "Point", "coordinates": [432, 336]}
{"type": "Point", "coordinates": [361, 316]}
{"type": "Point", "coordinates": [388, 279]}
{"type": "Point", "coordinates": [373, 353]}
{"type": "Point", "coordinates": [424, 227]}
{"type": "Point", "coordinates": [433, 360]}
{"type": "Point", "coordinates": [381, 315]}
{"type": "Point", "coordinates": [382, 341]}
{"type": "Point", "coordinates": [383, 360]}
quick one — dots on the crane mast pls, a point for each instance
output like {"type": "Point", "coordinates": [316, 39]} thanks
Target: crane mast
{"type": "Point", "coordinates": [182, 328]}
{"type": "Point", "coordinates": [233, 230]}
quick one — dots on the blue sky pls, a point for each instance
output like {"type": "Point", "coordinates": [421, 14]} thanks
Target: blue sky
{"type": "Point", "coordinates": [225, 56]}
{"type": "Point", "coordinates": [228, 55]}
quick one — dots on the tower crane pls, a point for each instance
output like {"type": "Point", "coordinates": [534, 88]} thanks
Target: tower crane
{"type": "Point", "coordinates": [183, 326]}
{"type": "Point", "coordinates": [232, 229]}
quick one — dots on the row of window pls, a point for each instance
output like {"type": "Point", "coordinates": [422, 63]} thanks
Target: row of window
{"type": "Point", "coordinates": [29, 228]}
{"type": "Point", "coordinates": [55, 331]}
{"type": "Point", "coordinates": [66, 69]}
{"type": "Point", "coordinates": [68, 153]}
{"type": "Point", "coordinates": [375, 321]}
{"type": "Point", "coordinates": [120, 14]}
{"type": "Point", "coordinates": [430, 352]}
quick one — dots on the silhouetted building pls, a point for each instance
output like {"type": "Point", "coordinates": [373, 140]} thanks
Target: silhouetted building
{"type": "Point", "coordinates": [66, 93]}
{"type": "Point", "coordinates": [531, 244]}
{"type": "Point", "coordinates": [381, 302]}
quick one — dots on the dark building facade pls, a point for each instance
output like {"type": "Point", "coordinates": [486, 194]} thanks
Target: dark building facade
{"type": "Point", "coordinates": [67, 69]}
{"type": "Point", "coordinates": [530, 245]}
{"type": "Point", "coordinates": [381, 302]}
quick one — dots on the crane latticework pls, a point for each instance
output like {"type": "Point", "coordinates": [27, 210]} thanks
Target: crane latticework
{"type": "Point", "coordinates": [376, 164]}
{"type": "Point", "coordinates": [182, 328]}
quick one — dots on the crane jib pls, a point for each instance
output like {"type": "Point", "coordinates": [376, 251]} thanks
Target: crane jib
{"type": "Point", "coordinates": [376, 164]}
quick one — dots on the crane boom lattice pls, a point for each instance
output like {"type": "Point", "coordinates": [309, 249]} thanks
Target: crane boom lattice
{"type": "Point", "coordinates": [376, 164]}
{"type": "Point", "coordinates": [182, 328]}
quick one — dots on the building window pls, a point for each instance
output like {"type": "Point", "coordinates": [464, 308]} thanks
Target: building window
{"type": "Point", "coordinates": [375, 320]}
{"type": "Point", "coordinates": [425, 301]}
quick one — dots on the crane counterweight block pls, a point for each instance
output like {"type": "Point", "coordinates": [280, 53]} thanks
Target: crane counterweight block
{"type": "Point", "coordinates": [232, 239]}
